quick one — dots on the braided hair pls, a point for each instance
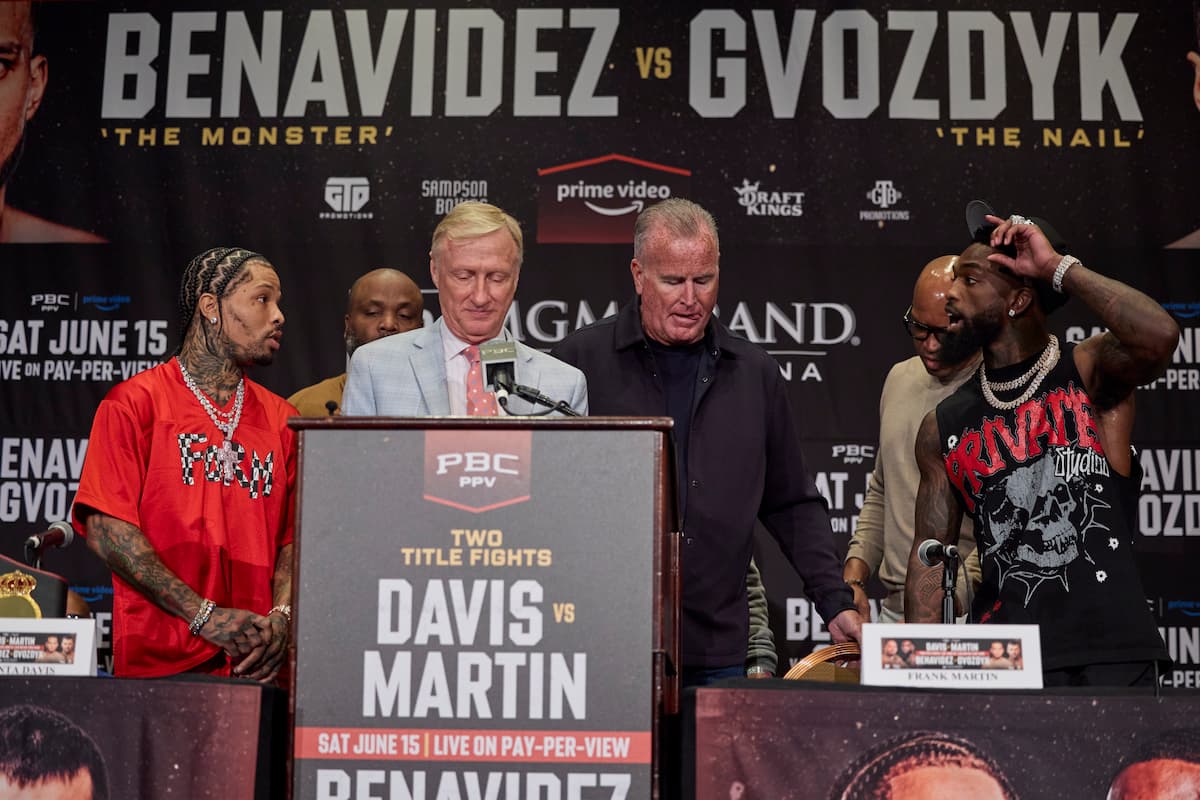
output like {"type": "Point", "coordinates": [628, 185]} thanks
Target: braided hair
{"type": "Point", "coordinates": [868, 777]}
{"type": "Point", "coordinates": [217, 271]}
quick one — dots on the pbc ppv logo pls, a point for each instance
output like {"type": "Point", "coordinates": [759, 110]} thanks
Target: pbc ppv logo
{"type": "Point", "coordinates": [51, 302]}
{"type": "Point", "coordinates": [477, 470]}
{"type": "Point", "coordinates": [883, 196]}
{"type": "Point", "coordinates": [853, 453]}
{"type": "Point", "coordinates": [347, 196]}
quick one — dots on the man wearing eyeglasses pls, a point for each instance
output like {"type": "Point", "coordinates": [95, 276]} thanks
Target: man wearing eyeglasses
{"type": "Point", "coordinates": [883, 536]}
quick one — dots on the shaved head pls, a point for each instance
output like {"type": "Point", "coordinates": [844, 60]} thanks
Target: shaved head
{"type": "Point", "coordinates": [380, 303]}
{"type": "Point", "coordinates": [941, 352]}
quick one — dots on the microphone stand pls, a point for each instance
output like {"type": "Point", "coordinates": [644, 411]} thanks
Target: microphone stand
{"type": "Point", "coordinates": [949, 577]}
{"type": "Point", "coordinates": [33, 556]}
{"type": "Point", "coordinates": [534, 396]}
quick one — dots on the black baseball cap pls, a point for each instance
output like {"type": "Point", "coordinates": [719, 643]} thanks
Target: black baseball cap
{"type": "Point", "coordinates": [981, 232]}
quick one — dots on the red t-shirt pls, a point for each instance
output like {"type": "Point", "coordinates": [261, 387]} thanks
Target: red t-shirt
{"type": "Point", "coordinates": [151, 461]}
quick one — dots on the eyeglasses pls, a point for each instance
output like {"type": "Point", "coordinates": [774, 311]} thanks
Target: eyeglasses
{"type": "Point", "coordinates": [919, 330]}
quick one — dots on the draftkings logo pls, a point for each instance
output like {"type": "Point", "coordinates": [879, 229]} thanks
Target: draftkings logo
{"type": "Point", "coordinates": [347, 197]}
{"type": "Point", "coordinates": [51, 302]}
{"type": "Point", "coordinates": [760, 202]}
{"type": "Point", "coordinates": [884, 196]}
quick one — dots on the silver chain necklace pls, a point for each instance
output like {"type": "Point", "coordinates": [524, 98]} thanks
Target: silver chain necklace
{"type": "Point", "coordinates": [226, 422]}
{"type": "Point", "coordinates": [1034, 375]}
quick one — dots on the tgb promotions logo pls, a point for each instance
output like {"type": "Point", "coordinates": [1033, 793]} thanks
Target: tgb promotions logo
{"type": "Point", "coordinates": [596, 201]}
{"type": "Point", "coordinates": [477, 470]}
{"type": "Point", "coordinates": [884, 196]}
{"type": "Point", "coordinates": [346, 198]}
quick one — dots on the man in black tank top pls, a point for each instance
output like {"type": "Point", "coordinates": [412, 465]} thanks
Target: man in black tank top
{"type": "Point", "coordinates": [1036, 449]}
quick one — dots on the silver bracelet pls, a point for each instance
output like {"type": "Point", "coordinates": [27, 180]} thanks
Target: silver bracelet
{"type": "Point", "coordinates": [758, 670]}
{"type": "Point", "coordinates": [285, 610]}
{"type": "Point", "coordinates": [1060, 272]}
{"type": "Point", "coordinates": [202, 615]}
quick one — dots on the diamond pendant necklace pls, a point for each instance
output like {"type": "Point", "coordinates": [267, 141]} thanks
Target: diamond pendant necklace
{"type": "Point", "coordinates": [226, 422]}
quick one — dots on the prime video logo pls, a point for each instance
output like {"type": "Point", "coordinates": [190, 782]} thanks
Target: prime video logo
{"type": "Point", "coordinates": [103, 302]}
{"type": "Point", "coordinates": [1189, 608]}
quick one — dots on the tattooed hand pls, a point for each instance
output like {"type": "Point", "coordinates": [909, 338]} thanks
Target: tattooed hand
{"type": "Point", "coordinates": [265, 661]}
{"type": "Point", "coordinates": [234, 630]}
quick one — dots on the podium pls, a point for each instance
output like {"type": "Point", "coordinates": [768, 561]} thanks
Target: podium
{"type": "Point", "coordinates": [484, 607]}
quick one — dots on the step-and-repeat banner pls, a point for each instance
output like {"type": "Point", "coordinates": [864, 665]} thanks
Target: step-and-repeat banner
{"type": "Point", "coordinates": [837, 148]}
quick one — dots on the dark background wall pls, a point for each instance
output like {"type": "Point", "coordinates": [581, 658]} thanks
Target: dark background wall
{"type": "Point", "coordinates": [836, 148]}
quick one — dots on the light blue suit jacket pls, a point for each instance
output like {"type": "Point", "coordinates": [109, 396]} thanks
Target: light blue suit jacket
{"type": "Point", "coordinates": [405, 376]}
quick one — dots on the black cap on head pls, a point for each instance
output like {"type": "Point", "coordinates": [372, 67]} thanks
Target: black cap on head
{"type": "Point", "coordinates": [981, 232]}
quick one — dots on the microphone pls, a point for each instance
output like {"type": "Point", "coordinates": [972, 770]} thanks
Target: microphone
{"type": "Point", "coordinates": [499, 362]}
{"type": "Point", "coordinates": [932, 552]}
{"type": "Point", "coordinates": [60, 534]}
{"type": "Point", "coordinates": [331, 406]}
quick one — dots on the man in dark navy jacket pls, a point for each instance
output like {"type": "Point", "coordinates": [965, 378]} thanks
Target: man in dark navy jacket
{"type": "Point", "coordinates": [737, 447]}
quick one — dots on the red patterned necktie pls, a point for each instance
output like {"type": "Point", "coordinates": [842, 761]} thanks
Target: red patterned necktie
{"type": "Point", "coordinates": [479, 402]}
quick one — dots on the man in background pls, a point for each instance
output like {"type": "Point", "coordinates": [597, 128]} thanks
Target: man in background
{"type": "Point", "coordinates": [380, 303]}
{"type": "Point", "coordinates": [883, 535]}
{"type": "Point", "coordinates": [23, 77]}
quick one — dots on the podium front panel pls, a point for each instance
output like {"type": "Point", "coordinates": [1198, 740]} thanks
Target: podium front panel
{"type": "Point", "coordinates": [475, 606]}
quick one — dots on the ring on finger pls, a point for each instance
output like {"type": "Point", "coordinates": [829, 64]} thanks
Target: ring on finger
{"type": "Point", "coordinates": [1017, 219]}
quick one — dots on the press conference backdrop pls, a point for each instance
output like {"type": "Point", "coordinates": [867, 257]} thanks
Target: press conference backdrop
{"type": "Point", "coordinates": [836, 147]}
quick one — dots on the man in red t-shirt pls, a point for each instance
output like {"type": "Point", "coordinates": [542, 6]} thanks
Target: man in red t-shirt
{"type": "Point", "coordinates": [187, 487]}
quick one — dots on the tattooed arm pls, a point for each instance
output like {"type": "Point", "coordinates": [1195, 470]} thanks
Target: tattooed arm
{"type": "Point", "coordinates": [129, 554]}
{"type": "Point", "coordinates": [265, 662]}
{"type": "Point", "coordinates": [938, 516]}
{"type": "Point", "coordinates": [1141, 336]}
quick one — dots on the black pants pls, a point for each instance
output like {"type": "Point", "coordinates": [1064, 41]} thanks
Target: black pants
{"type": "Point", "coordinates": [1126, 673]}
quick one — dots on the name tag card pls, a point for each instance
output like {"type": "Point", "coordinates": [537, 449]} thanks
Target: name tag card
{"type": "Point", "coordinates": [952, 656]}
{"type": "Point", "coordinates": [31, 646]}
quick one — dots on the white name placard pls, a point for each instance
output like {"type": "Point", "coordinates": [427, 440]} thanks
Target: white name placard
{"type": "Point", "coordinates": [47, 646]}
{"type": "Point", "coordinates": [952, 656]}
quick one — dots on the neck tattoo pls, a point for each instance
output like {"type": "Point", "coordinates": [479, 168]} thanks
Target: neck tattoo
{"type": "Point", "coordinates": [226, 421]}
{"type": "Point", "coordinates": [1033, 376]}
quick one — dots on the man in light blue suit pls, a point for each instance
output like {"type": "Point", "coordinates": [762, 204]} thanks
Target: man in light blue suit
{"type": "Point", "coordinates": [475, 262]}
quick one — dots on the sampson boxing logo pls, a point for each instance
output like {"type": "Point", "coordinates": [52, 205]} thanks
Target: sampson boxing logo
{"type": "Point", "coordinates": [446, 194]}
{"type": "Point", "coordinates": [477, 470]}
{"type": "Point", "coordinates": [596, 201]}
